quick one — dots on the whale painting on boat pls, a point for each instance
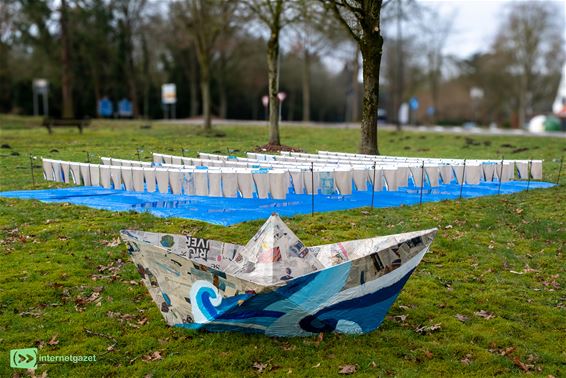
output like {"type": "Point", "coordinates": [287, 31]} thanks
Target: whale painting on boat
{"type": "Point", "coordinates": [275, 284]}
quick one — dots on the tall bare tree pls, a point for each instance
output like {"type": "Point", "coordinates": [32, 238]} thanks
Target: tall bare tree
{"type": "Point", "coordinates": [361, 18]}
{"type": "Point", "coordinates": [129, 14]}
{"type": "Point", "coordinates": [435, 33]}
{"type": "Point", "coordinates": [316, 34]}
{"type": "Point", "coordinates": [274, 14]}
{"type": "Point", "coordinates": [205, 20]}
{"type": "Point", "coordinates": [530, 33]}
{"type": "Point", "coordinates": [66, 67]}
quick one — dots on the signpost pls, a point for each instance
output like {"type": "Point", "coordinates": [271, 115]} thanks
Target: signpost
{"type": "Point", "coordinates": [169, 99]}
{"type": "Point", "coordinates": [414, 105]}
{"type": "Point", "coordinates": [40, 88]}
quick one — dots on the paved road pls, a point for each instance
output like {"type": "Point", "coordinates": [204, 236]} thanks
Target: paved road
{"type": "Point", "coordinates": [432, 129]}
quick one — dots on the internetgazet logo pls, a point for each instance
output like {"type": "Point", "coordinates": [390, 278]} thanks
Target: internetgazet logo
{"type": "Point", "coordinates": [28, 358]}
{"type": "Point", "coordinates": [23, 358]}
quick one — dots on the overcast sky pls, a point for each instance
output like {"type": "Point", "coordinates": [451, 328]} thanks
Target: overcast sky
{"type": "Point", "coordinates": [476, 22]}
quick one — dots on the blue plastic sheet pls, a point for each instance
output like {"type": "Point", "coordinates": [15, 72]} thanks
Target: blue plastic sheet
{"type": "Point", "coordinates": [228, 211]}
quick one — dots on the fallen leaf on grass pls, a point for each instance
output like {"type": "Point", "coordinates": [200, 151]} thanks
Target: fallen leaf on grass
{"type": "Point", "coordinates": [400, 318]}
{"type": "Point", "coordinates": [81, 302]}
{"type": "Point", "coordinates": [260, 367]}
{"type": "Point", "coordinates": [551, 282]}
{"type": "Point", "coordinates": [287, 347]}
{"type": "Point", "coordinates": [462, 318]}
{"type": "Point", "coordinates": [112, 243]}
{"type": "Point", "coordinates": [428, 354]}
{"type": "Point", "coordinates": [528, 269]}
{"type": "Point", "coordinates": [484, 314]}
{"type": "Point", "coordinates": [316, 366]}
{"type": "Point", "coordinates": [467, 359]}
{"type": "Point", "coordinates": [53, 340]}
{"type": "Point", "coordinates": [347, 369]}
{"type": "Point", "coordinates": [33, 313]}
{"type": "Point", "coordinates": [423, 330]}
{"type": "Point", "coordinates": [153, 356]}
{"type": "Point", "coordinates": [31, 373]}
{"type": "Point", "coordinates": [521, 365]}
{"type": "Point", "coordinates": [502, 351]}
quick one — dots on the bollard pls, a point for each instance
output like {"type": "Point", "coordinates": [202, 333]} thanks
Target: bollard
{"type": "Point", "coordinates": [500, 175]}
{"type": "Point", "coordinates": [422, 182]}
{"type": "Point", "coordinates": [529, 166]}
{"type": "Point", "coordinates": [373, 187]}
{"type": "Point", "coordinates": [560, 169]}
{"type": "Point", "coordinates": [463, 179]}
{"type": "Point", "coordinates": [31, 158]}
{"type": "Point", "coordinates": [312, 188]}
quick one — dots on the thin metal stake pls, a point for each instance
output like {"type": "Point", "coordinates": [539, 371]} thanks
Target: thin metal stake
{"type": "Point", "coordinates": [500, 175]}
{"type": "Point", "coordinates": [529, 166]}
{"type": "Point", "coordinates": [422, 183]}
{"type": "Point", "coordinates": [312, 188]}
{"type": "Point", "coordinates": [138, 152]}
{"type": "Point", "coordinates": [87, 157]}
{"type": "Point", "coordinates": [373, 187]}
{"type": "Point", "coordinates": [560, 169]}
{"type": "Point", "coordinates": [463, 179]}
{"type": "Point", "coordinates": [31, 166]}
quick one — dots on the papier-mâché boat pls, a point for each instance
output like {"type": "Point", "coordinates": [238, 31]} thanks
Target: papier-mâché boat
{"type": "Point", "coordinates": [274, 284]}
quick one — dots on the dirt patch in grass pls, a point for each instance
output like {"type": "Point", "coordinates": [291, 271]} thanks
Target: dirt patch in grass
{"type": "Point", "coordinates": [276, 148]}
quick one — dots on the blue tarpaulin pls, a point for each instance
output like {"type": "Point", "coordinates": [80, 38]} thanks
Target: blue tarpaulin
{"type": "Point", "coordinates": [228, 211]}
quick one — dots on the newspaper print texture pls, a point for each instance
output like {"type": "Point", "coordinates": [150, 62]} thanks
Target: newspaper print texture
{"type": "Point", "coordinates": [274, 284]}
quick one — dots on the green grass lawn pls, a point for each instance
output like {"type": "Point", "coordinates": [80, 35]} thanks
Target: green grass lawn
{"type": "Point", "coordinates": [490, 294]}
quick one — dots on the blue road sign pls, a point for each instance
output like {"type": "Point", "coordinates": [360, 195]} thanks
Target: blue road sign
{"type": "Point", "coordinates": [414, 103]}
{"type": "Point", "coordinates": [125, 108]}
{"type": "Point", "coordinates": [105, 107]}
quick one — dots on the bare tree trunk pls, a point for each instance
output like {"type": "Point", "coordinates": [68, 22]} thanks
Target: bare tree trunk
{"type": "Point", "coordinates": [146, 78]}
{"type": "Point", "coordinates": [400, 66]}
{"type": "Point", "coordinates": [273, 83]}
{"type": "Point", "coordinates": [222, 87]}
{"type": "Point", "coordinates": [435, 84]}
{"type": "Point", "coordinates": [193, 82]}
{"type": "Point", "coordinates": [66, 80]}
{"type": "Point", "coordinates": [205, 91]}
{"type": "Point", "coordinates": [522, 102]}
{"type": "Point", "coordinates": [95, 83]}
{"type": "Point", "coordinates": [132, 90]}
{"type": "Point", "coordinates": [356, 86]}
{"type": "Point", "coordinates": [306, 85]}
{"type": "Point", "coordinates": [97, 94]}
{"type": "Point", "coordinates": [371, 53]}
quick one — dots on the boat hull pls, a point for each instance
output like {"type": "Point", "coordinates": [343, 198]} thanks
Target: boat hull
{"type": "Point", "coordinates": [351, 297]}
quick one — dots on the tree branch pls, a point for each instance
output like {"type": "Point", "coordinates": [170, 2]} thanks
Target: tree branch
{"type": "Point", "coordinates": [336, 11]}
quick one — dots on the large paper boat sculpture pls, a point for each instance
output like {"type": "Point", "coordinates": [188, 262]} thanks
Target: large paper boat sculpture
{"type": "Point", "coordinates": [274, 284]}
